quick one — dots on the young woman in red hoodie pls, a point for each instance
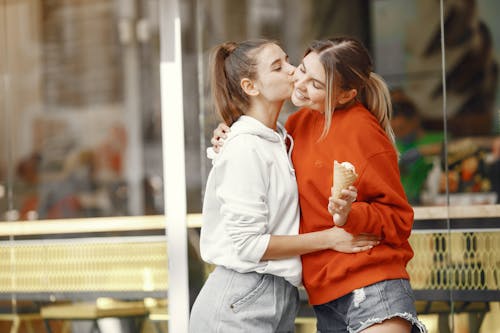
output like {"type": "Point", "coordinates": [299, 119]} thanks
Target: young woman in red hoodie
{"type": "Point", "coordinates": [345, 116]}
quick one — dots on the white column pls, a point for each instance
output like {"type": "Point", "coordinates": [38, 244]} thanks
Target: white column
{"type": "Point", "coordinates": [134, 170]}
{"type": "Point", "coordinates": [174, 165]}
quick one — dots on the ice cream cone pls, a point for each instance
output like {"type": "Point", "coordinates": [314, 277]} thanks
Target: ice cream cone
{"type": "Point", "coordinates": [344, 175]}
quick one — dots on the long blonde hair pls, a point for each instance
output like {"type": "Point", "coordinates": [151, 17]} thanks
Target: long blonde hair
{"type": "Point", "coordinates": [348, 65]}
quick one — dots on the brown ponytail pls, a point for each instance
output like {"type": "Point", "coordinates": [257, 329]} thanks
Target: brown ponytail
{"type": "Point", "coordinates": [378, 101]}
{"type": "Point", "coordinates": [230, 62]}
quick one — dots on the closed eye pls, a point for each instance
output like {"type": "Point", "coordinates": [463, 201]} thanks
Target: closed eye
{"type": "Point", "coordinates": [317, 85]}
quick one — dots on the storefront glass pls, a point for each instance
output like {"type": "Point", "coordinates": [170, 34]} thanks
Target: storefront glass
{"type": "Point", "coordinates": [446, 118]}
{"type": "Point", "coordinates": [81, 165]}
{"type": "Point", "coordinates": [81, 159]}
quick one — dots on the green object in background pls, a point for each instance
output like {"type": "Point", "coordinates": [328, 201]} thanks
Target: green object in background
{"type": "Point", "coordinates": [413, 166]}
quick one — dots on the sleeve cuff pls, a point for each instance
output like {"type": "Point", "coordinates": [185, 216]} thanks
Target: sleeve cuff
{"type": "Point", "coordinates": [352, 225]}
{"type": "Point", "coordinates": [260, 248]}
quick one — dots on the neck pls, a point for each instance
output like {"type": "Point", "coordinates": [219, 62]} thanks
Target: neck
{"type": "Point", "coordinates": [265, 112]}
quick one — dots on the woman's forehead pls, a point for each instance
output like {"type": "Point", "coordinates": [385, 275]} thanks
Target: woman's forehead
{"type": "Point", "coordinates": [313, 66]}
{"type": "Point", "coordinates": [270, 53]}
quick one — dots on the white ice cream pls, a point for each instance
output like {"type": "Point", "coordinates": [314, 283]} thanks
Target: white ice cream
{"type": "Point", "coordinates": [348, 166]}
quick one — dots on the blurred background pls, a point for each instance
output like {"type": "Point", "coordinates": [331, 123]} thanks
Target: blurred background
{"type": "Point", "coordinates": [81, 159]}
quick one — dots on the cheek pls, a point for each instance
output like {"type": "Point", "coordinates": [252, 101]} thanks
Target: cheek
{"type": "Point", "coordinates": [282, 85]}
{"type": "Point", "coordinates": [278, 89]}
{"type": "Point", "coordinates": [317, 97]}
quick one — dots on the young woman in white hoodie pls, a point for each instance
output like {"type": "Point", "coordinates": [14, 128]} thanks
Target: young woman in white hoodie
{"type": "Point", "coordinates": [250, 210]}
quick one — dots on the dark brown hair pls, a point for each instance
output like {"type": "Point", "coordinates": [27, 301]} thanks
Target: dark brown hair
{"type": "Point", "coordinates": [231, 62]}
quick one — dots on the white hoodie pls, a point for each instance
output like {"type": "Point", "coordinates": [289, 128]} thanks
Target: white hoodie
{"type": "Point", "coordinates": [251, 193]}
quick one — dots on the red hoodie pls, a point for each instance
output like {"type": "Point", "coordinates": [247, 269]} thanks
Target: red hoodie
{"type": "Point", "coordinates": [381, 207]}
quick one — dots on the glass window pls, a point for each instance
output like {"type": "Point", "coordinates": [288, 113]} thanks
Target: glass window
{"type": "Point", "coordinates": [447, 130]}
{"type": "Point", "coordinates": [83, 136]}
{"type": "Point", "coordinates": [81, 162]}
{"type": "Point", "coordinates": [81, 165]}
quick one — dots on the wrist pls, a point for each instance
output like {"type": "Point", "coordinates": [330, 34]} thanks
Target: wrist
{"type": "Point", "coordinates": [326, 239]}
{"type": "Point", "coordinates": [330, 238]}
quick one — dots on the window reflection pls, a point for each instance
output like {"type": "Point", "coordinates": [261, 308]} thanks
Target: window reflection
{"type": "Point", "coordinates": [452, 158]}
{"type": "Point", "coordinates": [83, 109]}
{"type": "Point", "coordinates": [409, 55]}
{"type": "Point", "coordinates": [80, 108]}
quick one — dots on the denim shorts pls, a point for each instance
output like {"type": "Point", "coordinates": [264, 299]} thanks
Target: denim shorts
{"type": "Point", "coordinates": [367, 306]}
{"type": "Point", "coordinates": [244, 302]}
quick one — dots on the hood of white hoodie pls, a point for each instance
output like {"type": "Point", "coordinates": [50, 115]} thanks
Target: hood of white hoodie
{"type": "Point", "coordinates": [250, 125]}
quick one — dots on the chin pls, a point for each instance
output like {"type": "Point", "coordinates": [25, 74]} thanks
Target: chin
{"type": "Point", "coordinates": [297, 102]}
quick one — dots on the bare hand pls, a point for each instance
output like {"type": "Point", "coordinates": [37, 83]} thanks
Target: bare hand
{"type": "Point", "coordinates": [340, 208]}
{"type": "Point", "coordinates": [342, 241]}
{"type": "Point", "coordinates": [220, 134]}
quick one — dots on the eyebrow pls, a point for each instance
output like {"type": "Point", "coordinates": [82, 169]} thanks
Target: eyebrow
{"type": "Point", "coordinates": [314, 79]}
{"type": "Point", "coordinates": [277, 61]}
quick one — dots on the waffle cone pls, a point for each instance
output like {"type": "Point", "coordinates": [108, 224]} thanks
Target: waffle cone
{"type": "Point", "coordinates": [342, 179]}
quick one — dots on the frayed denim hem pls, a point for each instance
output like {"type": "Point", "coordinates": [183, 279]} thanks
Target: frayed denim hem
{"type": "Point", "coordinates": [417, 326]}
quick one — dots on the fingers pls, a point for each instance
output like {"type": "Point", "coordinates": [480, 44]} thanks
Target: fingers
{"type": "Point", "coordinates": [350, 194]}
{"type": "Point", "coordinates": [337, 205]}
{"type": "Point", "coordinates": [224, 127]}
{"type": "Point", "coordinates": [331, 208]}
{"type": "Point", "coordinates": [365, 243]}
{"type": "Point", "coordinates": [357, 249]}
{"type": "Point", "coordinates": [333, 204]}
{"type": "Point", "coordinates": [337, 202]}
{"type": "Point", "coordinates": [368, 237]}
{"type": "Point", "coordinates": [217, 142]}
{"type": "Point", "coordinates": [219, 135]}
{"type": "Point", "coordinates": [221, 131]}
{"type": "Point", "coordinates": [339, 209]}
{"type": "Point", "coordinates": [347, 196]}
{"type": "Point", "coordinates": [362, 248]}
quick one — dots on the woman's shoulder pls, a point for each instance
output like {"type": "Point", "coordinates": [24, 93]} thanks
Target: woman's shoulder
{"type": "Point", "coordinates": [356, 119]}
{"type": "Point", "coordinates": [362, 130]}
{"type": "Point", "coordinates": [359, 112]}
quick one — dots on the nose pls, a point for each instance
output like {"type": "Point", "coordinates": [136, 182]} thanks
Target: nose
{"type": "Point", "coordinates": [291, 69]}
{"type": "Point", "coordinates": [298, 79]}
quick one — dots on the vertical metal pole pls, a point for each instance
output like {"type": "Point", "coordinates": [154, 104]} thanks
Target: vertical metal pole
{"type": "Point", "coordinates": [450, 270]}
{"type": "Point", "coordinates": [127, 13]}
{"type": "Point", "coordinates": [174, 164]}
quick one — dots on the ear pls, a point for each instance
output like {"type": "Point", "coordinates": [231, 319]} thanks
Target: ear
{"type": "Point", "coordinates": [249, 87]}
{"type": "Point", "coordinates": [347, 95]}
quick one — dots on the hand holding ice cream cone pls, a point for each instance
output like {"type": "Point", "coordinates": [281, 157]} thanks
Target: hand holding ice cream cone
{"type": "Point", "coordinates": [344, 175]}
{"type": "Point", "coordinates": [343, 193]}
